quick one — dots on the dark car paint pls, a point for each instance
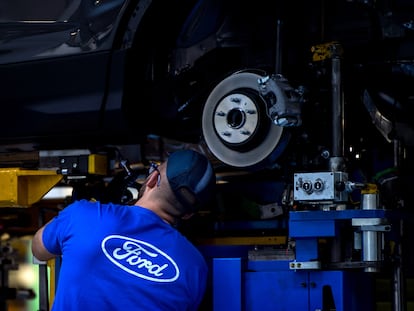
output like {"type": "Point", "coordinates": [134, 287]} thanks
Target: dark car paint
{"type": "Point", "coordinates": [46, 29]}
{"type": "Point", "coordinates": [63, 69]}
{"type": "Point", "coordinates": [92, 72]}
{"type": "Point", "coordinates": [61, 73]}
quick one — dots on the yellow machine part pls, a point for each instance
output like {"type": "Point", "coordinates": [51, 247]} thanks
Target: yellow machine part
{"type": "Point", "coordinates": [51, 264]}
{"type": "Point", "coordinates": [97, 164]}
{"type": "Point", "coordinates": [326, 51]}
{"type": "Point", "coordinates": [22, 188]}
{"type": "Point", "coordinates": [370, 189]}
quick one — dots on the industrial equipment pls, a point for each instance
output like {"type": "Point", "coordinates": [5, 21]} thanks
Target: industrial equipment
{"type": "Point", "coordinates": [335, 246]}
{"type": "Point", "coordinates": [313, 151]}
{"type": "Point", "coordinates": [318, 240]}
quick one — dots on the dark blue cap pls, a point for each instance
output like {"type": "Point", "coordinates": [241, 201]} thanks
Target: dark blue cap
{"type": "Point", "coordinates": [192, 178]}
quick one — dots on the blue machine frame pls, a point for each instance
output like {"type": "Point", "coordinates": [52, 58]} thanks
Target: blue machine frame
{"type": "Point", "coordinates": [240, 283]}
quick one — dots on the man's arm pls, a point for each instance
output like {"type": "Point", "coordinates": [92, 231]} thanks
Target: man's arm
{"type": "Point", "coordinates": [38, 248]}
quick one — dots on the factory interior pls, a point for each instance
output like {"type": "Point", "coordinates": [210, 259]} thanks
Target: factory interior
{"type": "Point", "coordinates": [305, 109]}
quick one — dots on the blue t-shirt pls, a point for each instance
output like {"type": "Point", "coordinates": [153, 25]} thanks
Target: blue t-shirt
{"type": "Point", "coordinates": [117, 257]}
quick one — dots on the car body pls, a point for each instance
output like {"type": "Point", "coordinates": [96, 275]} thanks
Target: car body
{"type": "Point", "coordinates": [82, 73]}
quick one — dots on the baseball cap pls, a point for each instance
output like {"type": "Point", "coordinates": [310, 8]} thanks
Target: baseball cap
{"type": "Point", "coordinates": [191, 178]}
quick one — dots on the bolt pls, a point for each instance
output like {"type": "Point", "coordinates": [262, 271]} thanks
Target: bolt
{"type": "Point", "coordinates": [245, 133]}
{"type": "Point", "coordinates": [235, 100]}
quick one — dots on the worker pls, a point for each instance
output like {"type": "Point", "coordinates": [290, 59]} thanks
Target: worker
{"type": "Point", "coordinates": [133, 257]}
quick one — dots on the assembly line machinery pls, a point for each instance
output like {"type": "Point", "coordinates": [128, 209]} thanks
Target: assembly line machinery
{"type": "Point", "coordinates": [338, 232]}
{"type": "Point", "coordinates": [301, 223]}
{"type": "Point", "coordinates": [20, 188]}
{"type": "Point", "coordinates": [340, 236]}
{"type": "Point", "coordinates": [330, 260]}
{"type": "Point", "coordinates": [327, 261]}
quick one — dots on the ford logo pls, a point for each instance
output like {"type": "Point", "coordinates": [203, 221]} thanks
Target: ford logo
{"type": "Point", "coordinates": [140, 258]}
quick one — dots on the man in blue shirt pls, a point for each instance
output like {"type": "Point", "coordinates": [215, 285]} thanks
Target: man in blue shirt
{"type": "Point", "coordinates": [122, 257]}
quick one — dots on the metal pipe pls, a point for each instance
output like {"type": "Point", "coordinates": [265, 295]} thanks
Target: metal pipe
{"type": "Point", "coordinates": [337, 107]}
{"type": "Point", "coordinates": [371, 240]}
{"type": "Point", "coordinates": [278, 61]}
{"type": "Point", "coordinates": [399, 303]}
{"type": "Point", "coordinates": [399, 299]}
{"type": "Point", "coordinates": [337, 161]}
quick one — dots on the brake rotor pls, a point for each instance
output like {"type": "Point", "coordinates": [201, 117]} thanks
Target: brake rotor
{"type": "Point", "coordinates": [235, 125]}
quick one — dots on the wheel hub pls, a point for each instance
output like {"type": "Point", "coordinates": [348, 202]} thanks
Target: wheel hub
{"type": "Point", "coordinates": [235, 118]}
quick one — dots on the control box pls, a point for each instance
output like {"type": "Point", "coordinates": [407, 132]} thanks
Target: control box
{"type": "Point", "coordinates": [320, 186]}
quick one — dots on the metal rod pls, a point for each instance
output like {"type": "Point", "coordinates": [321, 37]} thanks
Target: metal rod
{"type": "Point", "coordinates": [337, 109]}
{"type": "Point", "coordinates": [398, 284]}
{"type": "Point", "coordinates": [337, 160]}
{"type": "Point", "coordinates": [278, 61]}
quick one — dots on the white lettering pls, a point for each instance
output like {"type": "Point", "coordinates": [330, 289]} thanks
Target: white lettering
{"type": "Point", "coordinates": [132, 255]}
{"type": "Point", "coordinates": [140, 258]}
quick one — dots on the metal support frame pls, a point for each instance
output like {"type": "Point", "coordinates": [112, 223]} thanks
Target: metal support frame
{"type": "Point", "coordinates": [269, 285]}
